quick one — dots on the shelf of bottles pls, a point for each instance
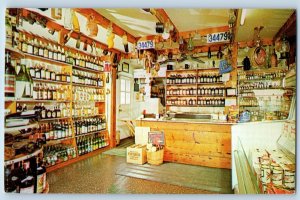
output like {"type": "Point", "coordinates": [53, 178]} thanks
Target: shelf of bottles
{"type": "Point", "coordinates": [59, 82]}
{"type": "Point", "coordinates": [90, 143]}
{"type": "Point", "coordinates": [197, 87]}
{"type": "Point", "coordinates": [261, 92]}
{"type": "Point", "coordinates": [58, 153]}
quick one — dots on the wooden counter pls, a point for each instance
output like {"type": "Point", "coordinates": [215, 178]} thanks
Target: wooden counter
{"type": "Point", "coordinates": [204, 144]}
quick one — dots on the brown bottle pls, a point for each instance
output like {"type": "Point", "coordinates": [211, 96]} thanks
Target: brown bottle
{"type": "Point", "coordinates": [274, 59]}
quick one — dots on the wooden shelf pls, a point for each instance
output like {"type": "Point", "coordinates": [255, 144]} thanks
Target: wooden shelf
{"type": "Point", "coordinates": [216, 83]}
{"type": "Point", "coordinates": [89, 116]}
{"type": "Point", "coordinates": [57, 62]}
{"type": "Point", "coordinates": [197, 105]}
{"type": "Point", "coordinates": [18, 128]}
{"type": "Point", "coordinates": [90, 86]}
{"type": "Point", "coordinates": [215, 96]}
{"type": "Point", "coordinates": [87, 69]}
{"type": "Point", "coordinates": [56, 141]}
{"type": "Point", "coordinates": [14, 50]}
{"type": "Point", "coordinates": [88, 101]}
{"type": "Point", "coordinates": [78, 158]}
{"type": "Point", "coordinates": [189, 84]}
{"type": "Point", "coordinates": [90, 133]}
{"type": "Point", "coordinates": [42, 101]}
{"type": "Point", "coordinates": [182, 70]}
{"type": "Point", "coordinates": [52, 119]}
{"type": "Point", "coordinates": [50, 81]}
{"type": "Point", "coordinates": [21, 157]}
{"type": "Point", "coordinates": [179, 95]}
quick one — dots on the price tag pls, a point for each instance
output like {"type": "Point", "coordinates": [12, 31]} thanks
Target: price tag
{"type": "Point", "coordinates": [218, 37]}
{"type": "Point", "coordinates": [148, 44]}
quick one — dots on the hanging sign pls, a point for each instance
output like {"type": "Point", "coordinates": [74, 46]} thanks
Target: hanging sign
{"type": "Point", "coordinates": [218, 37]}
{"type": "Point", "coordinates": [107, 67]}
{"type": "Point", "coordinates": [147, 44]}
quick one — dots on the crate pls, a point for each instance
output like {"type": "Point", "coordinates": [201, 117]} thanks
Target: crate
{"type": "Point", "coordinates": [156, 157]}
{"type": "Point", "coordinates": [136, 154]}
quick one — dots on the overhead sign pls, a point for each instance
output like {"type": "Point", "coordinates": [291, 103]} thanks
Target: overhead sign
{"type": "Point", "coordinates": [147, 44]}
{"type": "Point", "coordinates": [218, 37]}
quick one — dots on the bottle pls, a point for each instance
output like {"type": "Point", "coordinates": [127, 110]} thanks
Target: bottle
{"type": "Point", "coordinates": [40, 184]}
{"type": "Point", "coordinates": [36, 47]}
{"type": "Point", "coordinates": [30, 78]}
{"type": "Point", "coordinates": [30, 46]}
{"type": "Point", "coordinates": [209, 53]}
{"type": "Point", "coordinates": [22, 82]}
{"type": "Point", "coordinates": [9, 185]}
{"type": "Point", "coordinates": [27, 181]}
{"type": "Point", "coordinates": [10, 77]}
{"type": "Point", "coordinates": [41, 49]}
{"type": "Point", "coordinates": [24, 108]}
{"type": "Point", "coordinates": [219, 54]}
{"type": "Point", "coordinates": [43, 112]}
{"type": "Point", "coordinates": [19, 107]}
{"type": "Point", "coordinates": [24, 44]}
{"type": "Point", "coordinates": [48, 113]}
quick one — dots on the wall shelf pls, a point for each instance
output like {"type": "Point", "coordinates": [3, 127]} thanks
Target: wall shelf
{"type": "Point", "coordinates": [22, 157]}
{"type": "Point", "coordinates": [87, 69]}
{"type": "Point", "coordinates": [51, 81]}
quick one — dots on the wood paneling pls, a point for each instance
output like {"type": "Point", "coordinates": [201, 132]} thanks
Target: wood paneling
{"type": "Point", "coordinates": [198, 144]}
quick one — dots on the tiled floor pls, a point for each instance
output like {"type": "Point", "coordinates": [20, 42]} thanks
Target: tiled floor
{"type": "Point", "coordinates": [97, 175]}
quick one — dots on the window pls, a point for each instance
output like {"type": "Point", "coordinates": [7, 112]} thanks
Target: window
{"type": "Point", "coordinates": [125, 91]}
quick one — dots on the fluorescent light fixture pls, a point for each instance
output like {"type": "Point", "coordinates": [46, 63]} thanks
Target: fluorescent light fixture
{"type": "Point", "coordinates": [244, 12]}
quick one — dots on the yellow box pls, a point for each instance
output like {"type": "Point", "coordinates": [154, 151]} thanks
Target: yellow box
{"type": "Point", "coordinates": [136, 154]}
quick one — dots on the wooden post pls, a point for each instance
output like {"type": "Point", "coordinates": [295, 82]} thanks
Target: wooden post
{"type": "Point", "coordinates": [113, 112]}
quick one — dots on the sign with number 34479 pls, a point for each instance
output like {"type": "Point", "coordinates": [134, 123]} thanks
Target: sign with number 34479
{"type": "Point", "coordinates": [218, 37]}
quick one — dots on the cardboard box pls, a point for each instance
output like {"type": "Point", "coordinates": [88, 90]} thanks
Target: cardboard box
{"type": "Point", "coordinates": [136, 154]}
{"type": "Point", "coordinates": [141, 135]}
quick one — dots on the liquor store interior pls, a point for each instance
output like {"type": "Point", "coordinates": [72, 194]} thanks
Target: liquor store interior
{"type": "Point", "coordinates": [150, 101]}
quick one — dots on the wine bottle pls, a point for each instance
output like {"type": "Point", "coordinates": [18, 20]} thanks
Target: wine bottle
{"type": "Point", "coordinates": [27, 182]}
{"type": "Point", "coordinates": [10, 77]}
{"type": "Point", "coordinates": [40, 177]}
{"type": "Point", "coordinates": [22, 82]}
{"type": "Point", "coordinates": [9, 185]}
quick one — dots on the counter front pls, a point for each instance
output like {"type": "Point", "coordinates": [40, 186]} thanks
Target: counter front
{"type": "Point", "coordinates": [203, 143]}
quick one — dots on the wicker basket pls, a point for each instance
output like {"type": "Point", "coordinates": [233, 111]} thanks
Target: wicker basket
{"type": "Point", "coordinates": [155, 158]}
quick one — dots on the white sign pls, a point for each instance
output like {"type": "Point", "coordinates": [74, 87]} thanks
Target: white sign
{"type": "Point", "coordinates": [148, 44]}
{"type": "Point", "coordinates": [218, 37]}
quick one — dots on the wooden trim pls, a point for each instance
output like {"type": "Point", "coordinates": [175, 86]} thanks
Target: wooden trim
{"type": "Point", "coordinates": [206, 31]}
{"type": "Point", "coordinates": [57, 27]}
{"type": "Point", "coordinates": [78, 158]}
{"type": "Point", "coordinates": [287, 25]}
{"type": "Point", "coordinates": [113, 110]}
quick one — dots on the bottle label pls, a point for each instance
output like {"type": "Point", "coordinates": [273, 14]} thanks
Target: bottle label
{"type": "Point", "coordinates": [27, 190]}
{"type": "Point", "coordinates": [41, 181]}
{"type": "Point", "coordinates": [20, 87]}
{"type": "Point", "coordinates": [10, 83]}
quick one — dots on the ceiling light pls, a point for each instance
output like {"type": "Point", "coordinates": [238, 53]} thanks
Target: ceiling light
{"type": "Point", "coordinates": [243, 16]}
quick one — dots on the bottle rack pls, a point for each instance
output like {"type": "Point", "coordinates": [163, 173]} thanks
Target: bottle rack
{"type": "Point", "coordinates": [190, 88]}
{"type": "Point", "coordinates": [65, 67]}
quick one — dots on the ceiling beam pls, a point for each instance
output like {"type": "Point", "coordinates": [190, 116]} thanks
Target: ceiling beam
{"type": "Point", "coordinates": [290, 23]}
{"type": "Point", "coordinates": [203, 32]}
{"type": "Point", "coordinates": [104, 22]}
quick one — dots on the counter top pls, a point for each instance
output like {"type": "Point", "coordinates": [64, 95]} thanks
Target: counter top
{"type": "Point", "coordinates": [192, 121]}
{"type": "Point", "coordinates": [206, 121]}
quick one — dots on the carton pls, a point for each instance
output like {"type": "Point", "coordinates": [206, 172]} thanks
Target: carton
{"type": "Point", "coordinates": [136, 154]}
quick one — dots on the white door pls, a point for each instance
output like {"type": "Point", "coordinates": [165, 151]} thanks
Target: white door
{"type": "Point", "coordinates": [124, 104]}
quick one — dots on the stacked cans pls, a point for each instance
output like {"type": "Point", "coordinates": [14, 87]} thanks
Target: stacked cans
{"type": "Point", "coordinates": [273, 170]}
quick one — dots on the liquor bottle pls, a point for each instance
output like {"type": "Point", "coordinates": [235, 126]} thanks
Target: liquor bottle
{"type": "Point", "coordinates": [9, 184]}
{"type": "Point", "coordinates": [22, 82]}
{"type": "Point", "coordinates": [30, 46]}
{"type": "Point", "coordinates": [19, 108]}
{"type": "Point", "coordinates": [219, 54]}
{"type": "Point", "coordinates": [10, 77]}
{"type": "Point", "coordinates": [41, 49]}
{"type": "Point", "coordinates": [24, 44]}
{"type": "Point", "coordinates": [50, 51]}
{"type": "Point", "coordinates": [36, 47]}
{"type": "Point", "coordinates": [28, 64]}
{"type": "Point", "coordinates": [48, 113]}
{"type": "Point", "coordinates": [40, 183]}
{"type": "Point", "coordinates": [43, 112]}
{"type": "Point", "coordinates": [27, 181]}
{"type": "Point", "coordinates": [209, 53]}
